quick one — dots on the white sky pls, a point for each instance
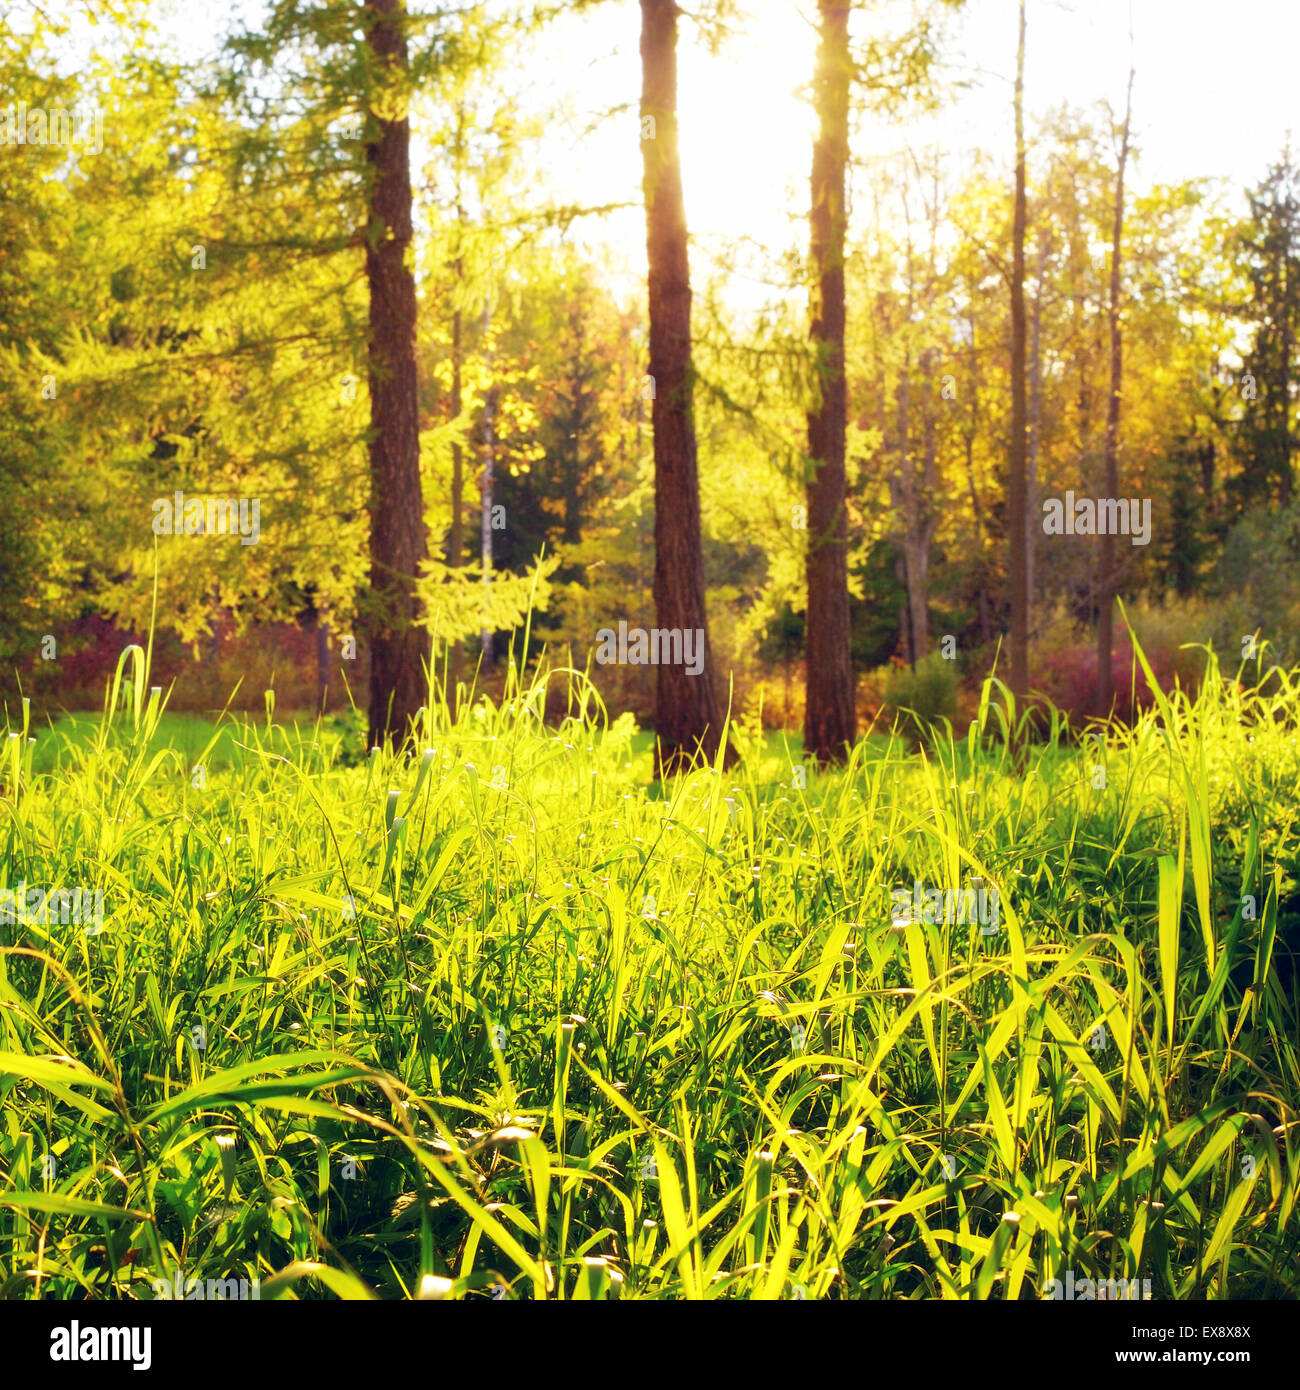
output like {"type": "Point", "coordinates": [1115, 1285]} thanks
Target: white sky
{"type": "Point", "coordinates": [1213, 95]}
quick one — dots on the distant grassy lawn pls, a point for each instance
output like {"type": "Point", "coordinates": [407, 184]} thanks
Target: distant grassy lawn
{"type": "Point", "coordinates": [189, 735]}
{"type": "Point", "coordinates": [497, 1020]}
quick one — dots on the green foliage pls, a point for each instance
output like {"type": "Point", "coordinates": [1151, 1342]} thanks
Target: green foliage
{"type": "Point", "coordinates": [1269, 245]}
{"type": "Point", "coordinates": [924, 696]}
{"type": "Point", "coordinates": [492, 1017]}
{"type": "Point", "coordinates": [1258, 580]}
{"type": "Point", "coordinates": [458, 604]}
{"type": "Point", "coordinates": [44, 267]}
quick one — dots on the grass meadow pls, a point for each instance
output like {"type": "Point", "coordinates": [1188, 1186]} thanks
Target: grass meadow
{"type": "Point", "coordinates": [501, 1019]}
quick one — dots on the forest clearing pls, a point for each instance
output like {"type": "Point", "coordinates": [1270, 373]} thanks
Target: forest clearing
{"type": "Point", "coordinates": [648, 653]}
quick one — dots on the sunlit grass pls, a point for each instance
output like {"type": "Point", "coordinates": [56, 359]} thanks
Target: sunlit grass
{"type": "Point", "coordinates": [498, 1018]}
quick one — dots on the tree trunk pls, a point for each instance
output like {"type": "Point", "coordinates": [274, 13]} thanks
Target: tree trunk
{"type": "Point", "coordinates": [923, 526]}
{"type": "Point", "coordinates": [396, 507]}
{"type": "Point", "coordinates": [489, 468]}
{"type": "Point", "coordinates": [456, 545]}
{"type": "Point", "coordinates": [322, 661]}
{"type": "Point", "coordinates": [1284, 394]}
{"type": "Point", "coordinates": [1106, 623]}
{"type": "Point", "coordinates": [914, 528]}
{"type": "Point", "coordinates": [900, 491]}
{"type": "Point", "coordinates": [1016, 479]}
{"type": "Point", "coordinates": [968, 432]}
{"type": "Point", "coordinates": [687, 720]}
{"type": "Point", "coordinates": [1032, 515]}
{"type": "Point", "coordinates": [578, 379]}
{"type": "Point", "coordinates": [830, 718]}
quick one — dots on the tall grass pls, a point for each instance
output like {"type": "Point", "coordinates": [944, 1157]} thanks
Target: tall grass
{"type": "Point", "coordinates": [495, 1019]}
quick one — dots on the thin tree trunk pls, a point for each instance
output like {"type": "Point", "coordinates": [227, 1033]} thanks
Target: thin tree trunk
{"type": "Point", "coordinates": [908, 495]}
{"type": "Point", "coordinates": [1032, 520]}
{"type": "Point", "coordinates": [456, 547]}
{"type": "Point", "coordinates": [982, 594]}
{"type": "Point", "coordinates": [901, 490]}
{"type": "Point", "coordinates": [322, 661]}
{"type": "Point", "coordinates": [489, 466]}
{"type": "Point", "coordinates": [985, 618]}
{"type": "Point", "coordinates": [1105, 626]}
{"type": "Point", "coordinates": [573, 474]}
{"type": "Point", "coordinates": [830, 719]}
{"type": "Point", "coordinates": [923, 526]}
{"type": "Point", "coordinates": [688, 723]}
{"type": "Point", "coordinates": [1016, 479]}
{"type": "Point", "coordinates": [396, 507]}
{"type": "Point", "coordinates": [1284, 394]}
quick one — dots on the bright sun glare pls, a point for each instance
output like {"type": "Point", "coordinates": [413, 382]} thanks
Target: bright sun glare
{"type": "Point", "coordinates": [1220, 108]}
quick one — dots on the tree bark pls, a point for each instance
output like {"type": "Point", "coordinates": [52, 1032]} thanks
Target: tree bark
{"type": "Point", "coordinates": [396, 507]}
{"type": "Point", "coordinates": [583, 396]}
{"type": "Point", "coordinates": [923, 529]}
{"type": "Point", "coordinates": [1106, 622]}
{"type": "Point", "coordinates": [688, 723]}
{"type": "Point", "coordinates": [322, 661]}
{"type": "Point", "coordinates": [489, 469]}
{"type": "Point", "coordinates": [1035, 421]}
{"type": "Point", "coordinates": [456, 544]}
{"type": "Point", "coordinates": [908, 494]}
{"type": "Point", "coordinates": [1284, 394]}
{"type": "Point", "coordinates": [968, 436]}
{"type": "Point", "coordinates": [1016, 480]}
{"type": "Point", "coordinates": [901, 489]}
{"type": "Point", "coordinates": [830, 717]}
